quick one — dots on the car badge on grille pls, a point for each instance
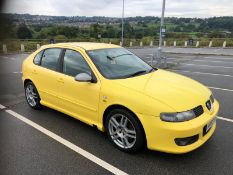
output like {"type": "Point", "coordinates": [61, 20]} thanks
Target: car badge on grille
{"type": "Point", "coordinates": [209, 105]}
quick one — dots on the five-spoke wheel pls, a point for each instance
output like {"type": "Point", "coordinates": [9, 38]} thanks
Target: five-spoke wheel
{"type": "Point", "coordinates": [32, 96]}
{"type": "Point", "coordinates": [124, 130]}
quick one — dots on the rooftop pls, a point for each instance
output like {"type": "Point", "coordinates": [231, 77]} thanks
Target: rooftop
{"type": "Point", "coordinates": [86, 45]}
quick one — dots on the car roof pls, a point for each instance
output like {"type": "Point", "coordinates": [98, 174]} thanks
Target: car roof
{"type": "Point", "coordinates": [84, 45]}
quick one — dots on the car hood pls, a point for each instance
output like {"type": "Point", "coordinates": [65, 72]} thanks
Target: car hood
{"type": "Point", "coordinates": [177, 91]}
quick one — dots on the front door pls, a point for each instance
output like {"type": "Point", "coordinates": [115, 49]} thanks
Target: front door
{"type": "Point", "coordinates": [79, 99]}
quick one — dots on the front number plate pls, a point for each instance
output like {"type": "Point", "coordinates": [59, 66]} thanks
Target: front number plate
{"type": "Point", "coordinates": [210, 124]}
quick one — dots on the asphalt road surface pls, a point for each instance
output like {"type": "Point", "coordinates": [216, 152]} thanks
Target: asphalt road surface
{"type": "Point", "coordinates": [49, 142]}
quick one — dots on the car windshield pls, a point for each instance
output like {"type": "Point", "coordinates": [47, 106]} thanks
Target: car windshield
{"type": "Point", "coordinates": [116, 63]}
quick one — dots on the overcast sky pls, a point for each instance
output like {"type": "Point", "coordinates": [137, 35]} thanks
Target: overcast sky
{"type": "Point", "coordinates": [113, 8]}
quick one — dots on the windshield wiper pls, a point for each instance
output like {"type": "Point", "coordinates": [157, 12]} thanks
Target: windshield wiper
{"type": "Point", "coordinates": [137, 73]}
{"type": "Point", "coordinates": [110, 58]}
{"type": "Point", "coordinates": [122, 55]}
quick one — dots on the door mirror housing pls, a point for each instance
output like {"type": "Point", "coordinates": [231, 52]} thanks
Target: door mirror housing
{"type": "Point", "coordinates": [84, 77]}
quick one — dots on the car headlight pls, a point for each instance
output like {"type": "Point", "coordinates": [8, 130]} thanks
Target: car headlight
{"type": "Point", "coordinates": [178, 117]}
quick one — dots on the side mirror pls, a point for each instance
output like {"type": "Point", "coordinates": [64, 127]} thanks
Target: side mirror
{"type": "Point", "coordinates": [83, 77]}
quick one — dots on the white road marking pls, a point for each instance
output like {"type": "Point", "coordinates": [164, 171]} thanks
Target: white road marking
{"type": "Point", "coordinates": [68, 144]}
{"type": "Point", "coordinates": [17, 72]}
{"type": "Point", "coordinates": [205, 73]}
{"type": "Point", "coordinates": [225, 119]}
{"type": "Point", "coordinates": [8, 58]}
{"type": "Point", "coordinates": [213, 61]}
{"type": "Point", "coordinates": [227, 58]}
{"type": "Point", "coordinates": [230, 90]}
{"type": "Point", "coordinates": [2, 107]}
{"type": "Point", "coordinates": [206, 65]}
{"type": "Point", "coordinates": [216, 50]}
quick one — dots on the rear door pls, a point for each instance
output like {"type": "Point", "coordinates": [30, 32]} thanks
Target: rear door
{"type": "Point", "coordinates": [45, 75]}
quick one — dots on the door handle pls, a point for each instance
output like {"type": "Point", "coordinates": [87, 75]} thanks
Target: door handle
{"type": "Point", "coordinates": [60, 80]}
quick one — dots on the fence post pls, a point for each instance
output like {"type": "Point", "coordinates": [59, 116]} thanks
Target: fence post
{"type": "Point", "coordinates": [110, 42]}
{"type": "Point", "coordinates": [151, 43]}
{"type": "Point", "coordinates": [38, 46]}
{"type": "Point", "coordinates": [174, 44]}
{"type": "Point", "coordinates": [198, 43]}
{"type": "Point", "coordinates": [211, 43]}
{"type": "Point", "coordinates": [120, 43]}
{"type": "Point", "coordinates": [131, 44]}
{"type": "Point", "coordinates": [165, 43]}
{"type": "Point", "coordinates": [22, 48]}
{"type": "Point", "coordinates": [185, 43]}
{"type": "Point", "coordinates": [141, 44]}
{"type": "Point", "coordinates": [4, 48]}
{"type": "Point", "coordinates": [224, 44]}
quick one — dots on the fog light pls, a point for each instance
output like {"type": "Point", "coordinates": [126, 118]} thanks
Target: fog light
{"type": "Point", "coordinates": [186, 141]}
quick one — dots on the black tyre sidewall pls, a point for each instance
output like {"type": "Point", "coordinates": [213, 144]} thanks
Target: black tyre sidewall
{"type": "Point", "coordinates": [38, 105]}
{"type": "Point", "coordinates": [140, 136]}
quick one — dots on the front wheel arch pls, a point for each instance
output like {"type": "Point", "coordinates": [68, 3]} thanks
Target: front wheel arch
{"type": "Point", "coordinates": [112, 107]}
{"type": "Point", "coordinates": [26, 81]}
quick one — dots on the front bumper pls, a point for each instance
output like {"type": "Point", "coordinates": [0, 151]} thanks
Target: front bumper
{"type": "Point", "coordinates": [161, 135]}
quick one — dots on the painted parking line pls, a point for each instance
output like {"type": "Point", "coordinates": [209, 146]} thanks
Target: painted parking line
{"type": "Point", "coordinates": [226, 58]}
{"type": "Point", "coordinates": [210, 61]}
{"type": "Point", "coordinates": [204, 73]}
{"type": "Point", "coordinates": [216, 88]}
{"type": "Point", "coordinates": [203, 65]}
{"type": "Point", "coordinates": [225, 119]}
{"type": "Point", "coordinates": [68, 144]}
{"type": "Point", "coordinates": [2, 107]}
{"type": "Point", "coordinates": [8, 58]}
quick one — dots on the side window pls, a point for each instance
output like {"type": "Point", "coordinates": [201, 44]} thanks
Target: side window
{"type": "Point", "coordinates": [74, 64]}
{"type": "Point", "coordinates": [37, 58]}
{"type": "Point", "coordinates": [50, 58]}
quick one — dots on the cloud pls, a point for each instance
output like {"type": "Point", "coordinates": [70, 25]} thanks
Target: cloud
{"type": "Point", "coordinates": [113, 8]}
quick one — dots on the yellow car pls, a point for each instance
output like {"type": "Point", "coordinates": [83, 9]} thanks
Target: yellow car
{"type": "Point", "coordinates": [110, 88]}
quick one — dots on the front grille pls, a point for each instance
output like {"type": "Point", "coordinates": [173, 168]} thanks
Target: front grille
{"type": "Point", "coordinates": [198, 111]}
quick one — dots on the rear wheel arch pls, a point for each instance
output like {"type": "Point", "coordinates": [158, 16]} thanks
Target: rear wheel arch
{"type": "Point", "coordinates": [27, 81]}
{"type": "Point", "coordinates": [32, 95]}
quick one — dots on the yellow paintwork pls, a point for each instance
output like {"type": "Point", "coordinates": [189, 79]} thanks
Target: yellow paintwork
{"type": "Point", "coordinates": [146, 95]}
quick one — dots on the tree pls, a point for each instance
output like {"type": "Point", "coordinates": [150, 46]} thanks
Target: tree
{"type": "Point", "coordinates": [110, 32]}
{"type": "Point", "coordinates": [216, 34]}
{"type": "Point", "coordinates": [23, 32]}
{"type": "Point", "coordinates": [128, 30]}
{"type": "Point", "coordinates": [95, 29]}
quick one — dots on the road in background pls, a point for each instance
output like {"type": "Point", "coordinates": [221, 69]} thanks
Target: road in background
{"type": "Point", "coordinates": [179, 50]}
{"type": "Point", "coordinates": [24, 150]}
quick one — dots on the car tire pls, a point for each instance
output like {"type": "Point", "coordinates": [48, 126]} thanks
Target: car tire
{"type": "Point", "coordinates": [32, 95]}
{"type": "Point", "coordinates": [125, 131]}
